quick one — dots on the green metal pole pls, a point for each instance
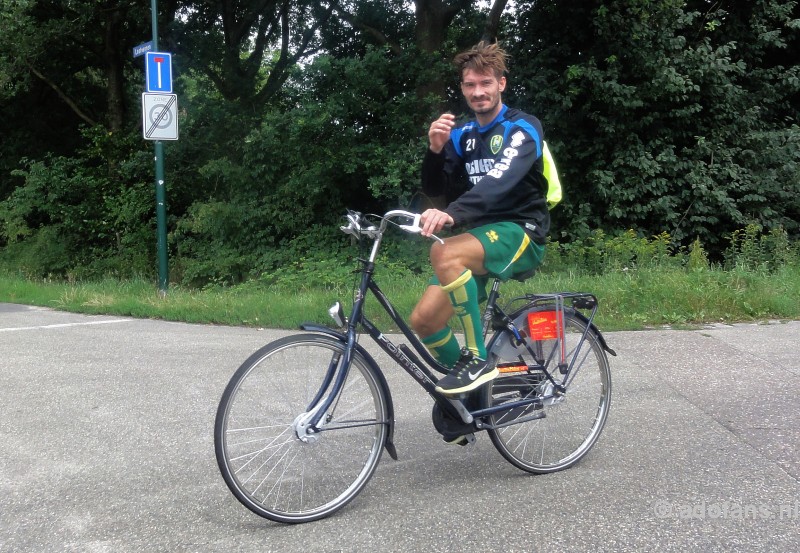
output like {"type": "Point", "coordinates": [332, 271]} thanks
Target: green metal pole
{"type": "Point", "coordinates": [161, 220]}
{"type": "Point", "coordinates": [161, 195]}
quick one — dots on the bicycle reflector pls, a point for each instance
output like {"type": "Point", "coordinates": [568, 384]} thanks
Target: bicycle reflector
{"type": "Point", "coordinates": [543, 325]}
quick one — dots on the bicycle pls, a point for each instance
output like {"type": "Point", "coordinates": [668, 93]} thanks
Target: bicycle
{"type": "Point", "coordinates": [303, 422]}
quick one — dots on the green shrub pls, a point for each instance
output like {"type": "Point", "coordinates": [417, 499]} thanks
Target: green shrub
{"type": "Point", "coordinates": [753, 249]}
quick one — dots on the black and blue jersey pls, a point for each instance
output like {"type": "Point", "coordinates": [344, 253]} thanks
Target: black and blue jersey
{"type": "Point", "coordinates": [493, 173]}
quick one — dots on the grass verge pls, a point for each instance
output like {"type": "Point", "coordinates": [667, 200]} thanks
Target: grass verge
{"type": "Point", "coordinates": [629, 300]}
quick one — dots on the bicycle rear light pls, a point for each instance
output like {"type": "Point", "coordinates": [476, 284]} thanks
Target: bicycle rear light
{"type": "Point", "coordinates": [543, 325]}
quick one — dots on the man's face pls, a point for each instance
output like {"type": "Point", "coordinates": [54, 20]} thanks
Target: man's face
{"type": "Point", "coordinates": [482, 91]}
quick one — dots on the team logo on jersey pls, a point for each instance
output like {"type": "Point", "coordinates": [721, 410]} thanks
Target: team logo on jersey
{"type": "Point", "coordinates": [496, 143]}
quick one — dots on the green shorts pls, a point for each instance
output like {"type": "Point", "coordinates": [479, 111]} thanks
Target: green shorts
{"type": "Point", "coordinates": [508, 253]}
{"type": "Point", "coordinates": [508, 250]}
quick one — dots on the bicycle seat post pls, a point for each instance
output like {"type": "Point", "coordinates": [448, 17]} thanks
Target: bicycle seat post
{"type": "Point", "coordinates": [488, 314]}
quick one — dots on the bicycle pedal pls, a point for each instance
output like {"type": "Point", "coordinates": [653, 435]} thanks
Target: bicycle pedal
{"type": "Point", "coordinates": [465, 440]}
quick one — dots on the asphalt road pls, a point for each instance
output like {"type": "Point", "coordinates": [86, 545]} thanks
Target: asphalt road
{"type": "Point", "coordinates": [106, 446]}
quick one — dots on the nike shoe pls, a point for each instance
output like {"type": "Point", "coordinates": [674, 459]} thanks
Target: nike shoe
{"type": "Point", "coordinates": [468, 374]}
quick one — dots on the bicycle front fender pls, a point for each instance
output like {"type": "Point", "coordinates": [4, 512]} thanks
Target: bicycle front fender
{"type": "Point", "coordinates": [379, 377]}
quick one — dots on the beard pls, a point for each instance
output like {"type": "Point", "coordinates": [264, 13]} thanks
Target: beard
{"type": "Point", "coordinates": [490, 104]}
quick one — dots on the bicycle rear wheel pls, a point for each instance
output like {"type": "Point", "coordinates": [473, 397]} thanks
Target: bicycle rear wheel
{"type": "Point", "coordinates": [559, 429]}
{"type": "Point", "coordinates": [265, 464]}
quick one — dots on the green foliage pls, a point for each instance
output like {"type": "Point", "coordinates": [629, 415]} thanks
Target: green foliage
{"type": "Point", "coordinates": [753, 249]}
{"type": "Point", "coordinates": [678, 120]}
{"type": "Point", "coordinates": [344, 144]}
{"type": "Point", "coordinates": [600, 253]}
{"type": "Point", "coordinates": [749, 249]}
{"type": "Point", "coordinates": [663, 114]}
{"type": "Point", "coordinates": [79, 216]}
{"type": "Point", "coordinates": [698, 258]}
{"type": "Point", "coordinates": [64, 65]}
{"type": "Point", "coordinates": [206, 239]}
{"type": "Point", "coordinates": [354, 133]}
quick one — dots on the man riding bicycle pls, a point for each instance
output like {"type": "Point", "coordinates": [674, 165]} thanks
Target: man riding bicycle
{"type": "Point", "coordinates": [490, 170]}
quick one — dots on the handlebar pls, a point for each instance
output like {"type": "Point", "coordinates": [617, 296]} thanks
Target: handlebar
{"type": "Point", "coordinates": [356, 224]}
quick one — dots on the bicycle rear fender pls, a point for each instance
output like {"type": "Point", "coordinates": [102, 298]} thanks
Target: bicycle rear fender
{"type": "Point", "coordinates": [309, 327]}
{"type": "Point", "coordinates": [596, 330]}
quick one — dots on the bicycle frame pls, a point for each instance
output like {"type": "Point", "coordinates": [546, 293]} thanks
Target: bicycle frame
{"type": "Point", "coordinates": [267, 422]}
{"type": "Point", "coordinates": [494, 318]}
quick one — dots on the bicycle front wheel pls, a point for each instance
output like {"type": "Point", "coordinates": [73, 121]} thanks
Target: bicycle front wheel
{"type": "Point", "coordinates": [260, 453]}
{"type": "Point", "coordinates": [559, 429]}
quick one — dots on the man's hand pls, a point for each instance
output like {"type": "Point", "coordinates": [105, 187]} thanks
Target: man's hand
{"type": "Point", "coordinates": [433, 220]}
{"type": "Point", "coordinates": [439, 133]}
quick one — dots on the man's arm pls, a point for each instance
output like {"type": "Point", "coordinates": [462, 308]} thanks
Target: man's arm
{"type": "Point", "coordinates": [435, 175]}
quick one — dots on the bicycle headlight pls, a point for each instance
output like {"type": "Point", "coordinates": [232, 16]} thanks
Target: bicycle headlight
{"type": "Point", "coordinates": [337, 314]}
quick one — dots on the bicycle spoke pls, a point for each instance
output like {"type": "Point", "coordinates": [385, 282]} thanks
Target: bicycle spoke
{"type": "Point", "coordinates": [571, 421]}
{"type": "Point", "coordinates": [264, 462]}
{"type": "Point", "coordinates": [258, 452]}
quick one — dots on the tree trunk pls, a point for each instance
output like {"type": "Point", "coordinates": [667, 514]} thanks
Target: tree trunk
{"type": "Point", "coordinates": [433, 19]}
{"type": "Point", "coordinates": [114, 69]}
{"type": "Point", "coordinates": [493, 21]}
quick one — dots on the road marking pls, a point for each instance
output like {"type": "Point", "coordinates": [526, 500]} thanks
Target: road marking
{"type": "Point", "coordinates": [64, 325]}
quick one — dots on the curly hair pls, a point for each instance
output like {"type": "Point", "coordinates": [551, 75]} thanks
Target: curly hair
{"type": "Point", "coordinates": [481, 58]}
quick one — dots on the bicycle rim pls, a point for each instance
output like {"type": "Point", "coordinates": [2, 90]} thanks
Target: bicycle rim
{"type": "Point", "coordinates": [560, 430]}
{"type": "Point", "coordinates": [262, 460]}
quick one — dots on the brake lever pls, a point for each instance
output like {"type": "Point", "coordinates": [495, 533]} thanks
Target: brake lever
{"type": "Point", "coordinates": [414, 228]}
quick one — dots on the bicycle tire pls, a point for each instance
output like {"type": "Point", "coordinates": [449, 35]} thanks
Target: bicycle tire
{"type": "Point", "coordinates": [568, 426]}
{"type": "Point", "coordinates": [264, 463]}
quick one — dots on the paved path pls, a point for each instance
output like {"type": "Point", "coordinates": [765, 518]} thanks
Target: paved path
{"type": "Point", "coordinates": [106, 437]}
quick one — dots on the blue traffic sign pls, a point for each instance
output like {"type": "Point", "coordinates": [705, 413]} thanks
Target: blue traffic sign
{"type": "Point", "coordinates": [158, 66]}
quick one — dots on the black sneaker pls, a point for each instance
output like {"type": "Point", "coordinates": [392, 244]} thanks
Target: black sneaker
{"type": "Point", "coordinates": [468, 374]}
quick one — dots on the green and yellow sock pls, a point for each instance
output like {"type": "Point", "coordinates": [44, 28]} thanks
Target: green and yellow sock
{"type": "Point", "coordinates": [444, 346]}
{"type": "Point", "coordinates": [463, 294]}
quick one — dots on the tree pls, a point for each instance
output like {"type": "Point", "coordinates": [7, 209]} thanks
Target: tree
{"type": "Point", "coordinates": [248, 48]}
{"type": "Point", "coordinates": [79, 50]}
{"type": "Point", "coordinates": [65, 66]}
{"type": "Point", "coordinates": [655, 118]}
{"type": "Point", "coordinates": [662, 114]}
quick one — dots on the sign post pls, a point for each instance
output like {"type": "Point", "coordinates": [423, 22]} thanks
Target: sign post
{"type": "Point", "coordinates": [161, 207]}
